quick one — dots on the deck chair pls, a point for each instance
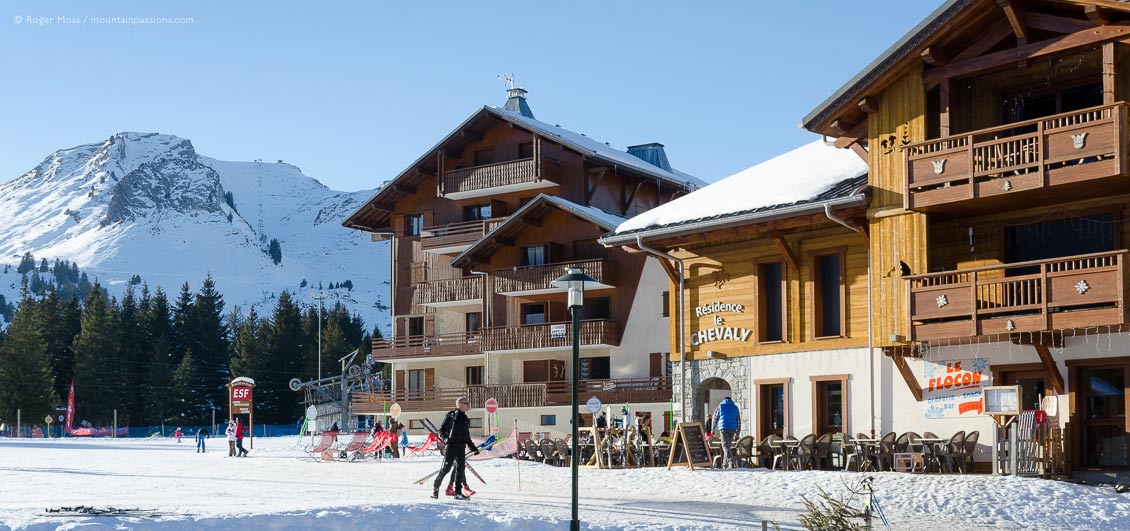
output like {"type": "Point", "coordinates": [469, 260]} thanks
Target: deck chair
{"type": "Point", "coordinates": [324, 444]}
{"type": "Point", "coordinates": [352, 449]}
{"type": "Point", "coordinates": [380, 441]}
{"type": "Point", "coordinates": [548, 452]}
{"type": "Point", "coordinates": [766, 451]}
{"type": "Point", "coordinates": [430, 446]}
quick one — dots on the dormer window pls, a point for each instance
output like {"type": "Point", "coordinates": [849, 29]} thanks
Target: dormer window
{"type": "Point", "coordinates": [476, 212]}
{"type": "Point", "coordinates": [483, 157]}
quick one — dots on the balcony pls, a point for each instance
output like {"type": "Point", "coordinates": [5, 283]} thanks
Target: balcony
{"type": "Point", "coordinates": [499, 178]}
{"type": "Point", "coordinates": [538, 279]}
{"type": "Point", "coordinates": [621, 391]}
{"type": "Point", "coordinates": [550, 336]}
{"type": "Point", "coordinates": [1042, 295]}
{"type": "Point", "coordinates": [1067, 156]}
{"type": "Point", "coordinates": [449, 292]}
{"type": "Point", "coordinates": [455, 237]}
{"type": "Point", "coordinates": [412, 348]}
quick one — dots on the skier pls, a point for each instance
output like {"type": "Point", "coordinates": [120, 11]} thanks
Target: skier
{"type": "Point", "coordinates": [178, 434]}
{"type": "Point", "coordinates": [239, 439]}
{"type": "Point", "coordinates": [727, 419]}
{"type": "Point", "coordinates": [457, 427]}
{"type": "Point", "coordinates": [230, 432]}
{"type": "Point", "coordinates": [201, 434]}
{"type": "Point", "coordinates": [394, 428]}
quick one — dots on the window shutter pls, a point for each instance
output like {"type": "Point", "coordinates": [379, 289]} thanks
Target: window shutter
{"type": "Point", "coordinates": [655, 365]}
{"type": "Point", "coordinates": [401, 381]}
{"type": "Point", "coordinates": [398, 225]}
{"type": "Point", "coordinates": [429, 379]}
{"type": "Point", "coordinates": [429, 218]}
{"type": "Point", "coordinates": [429, 325]}
{"type": "Point", "coordinates": [666, 304]}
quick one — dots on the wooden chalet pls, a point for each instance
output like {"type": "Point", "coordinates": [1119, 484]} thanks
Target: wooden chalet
{"type": "Point", "coordinates": [996, 136]}
{"type": "Point", "coordinates": [479, 226]}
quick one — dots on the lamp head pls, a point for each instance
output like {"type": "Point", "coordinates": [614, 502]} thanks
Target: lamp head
{"type": "Point", "coordinates": [574, 280]}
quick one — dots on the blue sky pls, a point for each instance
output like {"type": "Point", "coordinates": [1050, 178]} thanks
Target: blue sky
{"type": "Point", "coordinates": [355, 92]}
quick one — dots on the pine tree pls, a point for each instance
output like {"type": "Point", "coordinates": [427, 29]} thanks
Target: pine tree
{"type": "Point", "coordinates": [25, 371]}
{"type": "Point", "coordinates": [182, 323]}
{"type": "Point", "coordinates": [157, 325]}
{"type": "Point", "coordinates": [285, 347]}
{"type": "Point", "coordinates": [188, 407]}
{"type": "Point", "coordinates": [132, 359]}
{"type": "Point", "coordinates": [97, 370]}
{"type": "Point", "coordinates": [250, 360]}
{"type": "Point", "coordinates": [61, 324]}
{"type": "Point", "coordinates": [43, 267]}
{"type": "Point", "coordinates": [27, 263]}
{"type": "Point", "coordinates": [211, 342]}
{"type": "Point", "coordinates": [275, 251]}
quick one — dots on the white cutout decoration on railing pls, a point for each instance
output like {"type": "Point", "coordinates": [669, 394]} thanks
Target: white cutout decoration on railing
{"type": "Point", "coordinates": [1007, 185]}
{"type": "Point", "coordinates": [942, 300]}
{"type": "Point", "coordinates": [1010, 326]}
{"type": "Point", "coordinates": [1082, 287]}
{"type": "Point", "coordinates": [1079, 140]}
{"type": "Point", "coordinates": [939, 166]}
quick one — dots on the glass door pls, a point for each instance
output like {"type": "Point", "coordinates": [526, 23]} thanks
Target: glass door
{"type": "Point", "coordinates": [1103, 414]}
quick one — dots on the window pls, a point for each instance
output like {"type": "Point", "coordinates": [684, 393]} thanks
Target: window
{"type": "Point", "coordinates": [596, 308]}
{"type": "Point", "coordinates": [475, 422]}
{"type": "Point", "coordinates": [415, 326]}
{"type": "Point", "coordinates": [773, 407]}
{"type": "Point", "coordinates": [484, 156]}
{"type": "Point", "coordinates": [829, 413]}
{"type": "Point", "coordinates": [829, 294]}
{"type": "Point", "coordinates": [534, 371]}
{"type": "Point", "coordinates": [416, 380]}
{"type": "Point", "coordinates": [475, 375]}
{"type": "Point", "coordinates": [414, 424]}
{"type": "Point", "coordinates": [656, 365]}
{"type": "Point", "coordinates": [533, 314]}
{"type": "Point", "coordinates": [771, 302]}
{"type": "Point", "coordinates": [413, 224]}
{"type": "Point", "coordinates": [596, 368]}
{"type": "Point", "coordinates": [666, 304]}
{"type": "Point", "coordinates": [476, 212]}
{"type": "Point", "coordinates": [526, 150]}
{"type": "Point", "coordinates": [549, 420]}
{"type": "Point", "coordinates": [533, 255]}
{"type": "Point", "coordinates": [474, 322]}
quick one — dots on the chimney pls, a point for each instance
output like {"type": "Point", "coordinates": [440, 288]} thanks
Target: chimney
{"type": "Point", "coordinates": [652, 154]}
{"type": "Point", "coordinates": [516, 102]}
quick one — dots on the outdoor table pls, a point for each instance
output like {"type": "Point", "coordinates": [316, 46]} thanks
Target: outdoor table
{"type": "Point", "coordinates": [929, 448]}
{"type": "Point", "coordinates": [864, 450]}
{"type": "Point", "coordinates": [789, 446]}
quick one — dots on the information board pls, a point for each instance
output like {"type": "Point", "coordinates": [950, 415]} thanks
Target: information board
{"type": "Point", "coordinates": [688, 447]}
{"type": "Point", "coordinates": [1002, 400]}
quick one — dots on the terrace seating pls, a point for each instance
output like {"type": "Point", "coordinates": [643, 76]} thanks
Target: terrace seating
{"type": "Point", "coordinates": [886, 456]}
{"type": "Point", "coordinates": [744, 451]}
{"type": "Point", "coordinates": [532, 453]}
{"type": "Point", "coordinates": [822, 452]}
{"type": "Point", "coordinates": [804, 453]}
{"type": "Point", "coordinates": [767, 452]}
{"type": "Point", "coordinates": [951, 451]}
{"type": "Point", "coordinates": [548, 452]}
{"type": "Point", "coordinates": [563, 457]}
{"type": "Point", "coordinates": [968, 447]}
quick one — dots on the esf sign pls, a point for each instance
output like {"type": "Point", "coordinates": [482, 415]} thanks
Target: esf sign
{"type": "Point", "coordinates": [719, 332]}
{"type": "Point", "coordinates": [241, 400]}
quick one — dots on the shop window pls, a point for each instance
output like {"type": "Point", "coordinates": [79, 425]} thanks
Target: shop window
{"type": "Point", "coordinates": [828, 284]}
{"type": "Point", "coordinates": [771, 302]}
{"type": "Point", "coordinates": [549, 420]}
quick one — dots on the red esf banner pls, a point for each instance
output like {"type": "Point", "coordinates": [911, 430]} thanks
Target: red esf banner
{"type": "Point", "coordinates": [241, 400]}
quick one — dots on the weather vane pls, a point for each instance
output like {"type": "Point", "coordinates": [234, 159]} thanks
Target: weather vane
{"type": "Point", "coordinates": [508, 78]}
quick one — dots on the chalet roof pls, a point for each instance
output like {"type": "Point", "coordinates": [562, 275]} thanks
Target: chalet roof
{"type": "Point", "coordinates": [537, 207]}
{"type": "Point", "coordinates": [925, 29]}
{"type": "Point", "coordinates": [374, 213]}
{"type": "Point", "coordinates": [786, 185]}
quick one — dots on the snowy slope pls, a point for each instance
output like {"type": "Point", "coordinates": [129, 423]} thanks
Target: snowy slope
{"type": "Point", "coordinates": [148, 204]}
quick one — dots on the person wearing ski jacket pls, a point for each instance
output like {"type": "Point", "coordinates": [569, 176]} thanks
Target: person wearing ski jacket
{"type": "Point", "coordinates": [456, 429]}
{"type": "Point", "coordinates": [201, 435]}
{"type": "Point", "coordinates": [178, 434]}
{"type": "Point", "coordinates": [727, 420]}
{"type": "Point", "coordinates": [230, 432]}
{"type": "Point", "coordinates": [239, 439]}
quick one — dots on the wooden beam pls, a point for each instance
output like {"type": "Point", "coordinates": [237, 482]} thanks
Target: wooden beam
{"type": "Point", "coordinates": [858, 149]}
{"type": "Point", "coordinates": [1110, 74]}
{"type": "Point", "coordinates": [896, 355]}
{"type": "Point", "coordinates": [1056, 24]}
{"type": "Point", "coordinates": [498, 240]}
{"type": "Point", "coordinates": [1095, 35]}
{"type": "Point", "coordinates": [944, 89]}
{"type": "Point", "coordinates": [1115, 5]}
{"type": "Point", "coordinates": [992, 37]}
{"type": "Point", "coordinates": [471, 135]}
{"type": "Point", "coordinates": [1097, 15]}
{"type": "Point", "coordinates": [1015, 18]}
{"type": "Point", "coordinates": [787, 252]}
{"type": "Point", "coordinates": [840, 127]}
{"type": "Point", "coordinates": [935, 56]}
{"type": "Point", "coordinates": [1050, 367]}
{"type": "Point", "coordinates": [669, 268]}
{"type": "Point", "coordinates": [591, 189]}
{"type": "Point", "coordinates": [868, 104]}
{"type": "Point", "coordinates": [858, 133]}
{"type": "Point", "coordinates": [629, 198]}
{"type": "Point", "coordinates": [530, 222]}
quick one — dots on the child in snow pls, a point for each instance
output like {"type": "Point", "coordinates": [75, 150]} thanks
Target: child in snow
{"type": "Point", "coordinates": [177, 434]}
{"type": "Point", "coordinates": [230, 432]}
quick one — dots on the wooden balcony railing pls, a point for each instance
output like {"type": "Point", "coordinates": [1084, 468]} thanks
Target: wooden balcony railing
{"type": "Point", "coordinates": [449, 290]}
{"type": "Point", "coordinates": [550, 335]}
{"type": "Point", "coordinates": [621, 391]}
{"type": "Point", "coordinates": [427, 346]}
{"type": "Point", "coordinates": [1064, 148]}
{"type": "Point", "coordinates": [1036, 296]}
{"type": "Point", "coordinates": [455, 234]}
{"type": "Point", "coordinates": [541, 277]}
{"type": "Point", "coordinates": [499, 174]}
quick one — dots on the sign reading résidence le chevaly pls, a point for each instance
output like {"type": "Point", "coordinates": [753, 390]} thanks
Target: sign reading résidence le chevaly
{"type": "Point", "coordinates": [719, 332]}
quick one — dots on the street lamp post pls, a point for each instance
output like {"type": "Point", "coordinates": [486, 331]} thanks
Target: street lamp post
{"type": "Point", "coordinates": [575, 280]}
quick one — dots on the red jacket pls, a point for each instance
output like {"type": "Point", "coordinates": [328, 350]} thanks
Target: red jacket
{"type": "Point", "coordinates": [239, 432]}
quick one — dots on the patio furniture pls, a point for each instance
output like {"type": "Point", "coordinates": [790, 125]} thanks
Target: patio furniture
{"type": "Point", "coordinates": [532, 452]}
{"type": "Point", "coordinates": [805, 453]}
{"type": "Point", "coordinates": [766, 451]}
{"type": "Point", "coordinates": [788, 452]}
{"type": "Point", "coordinates": [744, 451]}
{"type": "Point", "coordinates": [968, 448]}
{"type": "Point", "coordinates": [548, 452]}
{"type": "Point", "coordinates": [886, 454]}
{"type": "Point", "coordinates": [951, 452]}
{"type": "Point", "coordinates": [822, 452]}
{"type": "Point", "coordinates": [563, 457]}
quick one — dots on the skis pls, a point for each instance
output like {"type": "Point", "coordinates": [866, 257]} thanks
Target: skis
{"type": "Point", "coordinates": [431, 427]}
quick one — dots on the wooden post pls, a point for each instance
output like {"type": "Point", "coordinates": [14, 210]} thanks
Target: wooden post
{"type": "Point", "coordinates": [1110, 78]}
{"type": "Point", "coordinates": [944, 107]}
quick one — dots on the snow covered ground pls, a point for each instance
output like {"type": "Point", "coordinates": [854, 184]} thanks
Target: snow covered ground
{"type": "Point", "coordinates": [279, 488]}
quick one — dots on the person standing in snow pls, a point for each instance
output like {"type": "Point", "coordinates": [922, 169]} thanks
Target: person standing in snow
{"type": "Point", "coordinates": [394, 429]}
{"type": "Point", "coordinates": [230, 432]}
{"type": "Point", "coordinates": [727, 419]}
{"type": "Point", "coordinates": [201, 434]}
{"type": "Point", "coordinates": [457, 427]}
{"type": "Point", "coordinates": [239, 439]}
{"type": "Point", "coordinates": [178, 434]}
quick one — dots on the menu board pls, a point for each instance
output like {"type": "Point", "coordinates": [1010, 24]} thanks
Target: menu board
{"type": "Point", "coordinates": [689, 447]}
{"type": "Point", "coordinates": [1002, 400]}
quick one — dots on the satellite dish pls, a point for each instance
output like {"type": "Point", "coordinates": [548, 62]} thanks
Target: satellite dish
{"type": "Point", "coordinates": [295, 384]}
{"type": "Point", "coordinates": [311, 412]}
{"type": "Point", "coordinates": [355, 371]}
{"type": "Point", "coordinates": [394, 411]}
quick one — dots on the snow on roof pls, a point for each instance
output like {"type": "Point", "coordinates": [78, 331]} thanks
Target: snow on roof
{"type": "Point", "coordinates": [798, 175]}
{"type": "Point", "coordinates": [599, 149]}
{"type": "Point", "coordinates": [243, 380]}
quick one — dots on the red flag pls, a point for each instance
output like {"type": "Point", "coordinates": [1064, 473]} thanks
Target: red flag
{"type": "Point", "coordinates": [70, 409]}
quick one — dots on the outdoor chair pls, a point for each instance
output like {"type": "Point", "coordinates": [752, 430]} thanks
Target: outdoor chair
{"type": "Point", "coordinates": [822, 452]}
{"type": "Point", "coordinates": [563, 457]}
{"type": "Point", "coordinates": [886, 457]}
{"type": "Point", "coordinates": [352, 449]}
{"type": "Point", "coordinates": [854, 451]}
{"type": "Point", "coordinates": [805, 453]}
{"type": "Point", "coordinates": [324, 444]}
{"type": "Point", "coordinates": [532, 451]}
{"type": "Point", "coordinates": [743, 451]}
{"type": "Point", "coordinates": [766, 451]}
{"type": "Point", "coordinates": [968, 448]}
{"type": "Point", "coordinates": [781, 453]}
{"type": "Point", "coordinates": [933, 453]}
{"type": "Point", "coordinates": [548, 452]}
{"type": "Point", "coordinates": [951, 452]}
{"type": "Point", "coordinates": [902, 444]}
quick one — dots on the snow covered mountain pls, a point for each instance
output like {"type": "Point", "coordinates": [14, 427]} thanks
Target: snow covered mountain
{"type": "Point", "coordinates": [147, 204]}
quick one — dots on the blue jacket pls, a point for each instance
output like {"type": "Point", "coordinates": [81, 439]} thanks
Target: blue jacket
{"type": "Point", "coordinates": [727, 416]}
